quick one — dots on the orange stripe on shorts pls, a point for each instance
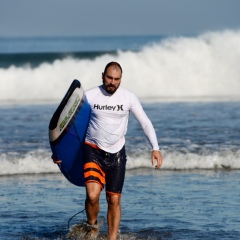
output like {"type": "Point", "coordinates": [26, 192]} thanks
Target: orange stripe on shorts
{"type": "Point", "coordinates": [95, 174]}
{"type": "Point", "coordinates": [93, 165]}
{"type": "Point", "coordinates": [91, 169]}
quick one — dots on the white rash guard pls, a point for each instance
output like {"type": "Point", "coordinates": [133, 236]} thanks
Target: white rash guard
{"type": "Point", "coordinates": [109, 119]}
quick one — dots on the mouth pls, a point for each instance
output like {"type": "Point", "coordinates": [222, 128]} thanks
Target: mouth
{"type": "Point", "coordinates": [111, 87]}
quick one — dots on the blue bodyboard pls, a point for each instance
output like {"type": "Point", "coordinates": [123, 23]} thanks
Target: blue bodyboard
{"type": "Point", "coordinates": [67, 130]}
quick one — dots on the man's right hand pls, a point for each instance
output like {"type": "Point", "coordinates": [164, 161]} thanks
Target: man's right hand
{"type": "Point", "coordinates": [55, 160]}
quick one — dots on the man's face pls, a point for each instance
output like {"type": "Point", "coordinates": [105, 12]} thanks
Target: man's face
{"type": "Point", "coordinates": [112, 79]}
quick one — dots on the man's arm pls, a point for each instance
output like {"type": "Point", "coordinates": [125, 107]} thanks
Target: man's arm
{"type": "Point", "coordinates": [149, 131]}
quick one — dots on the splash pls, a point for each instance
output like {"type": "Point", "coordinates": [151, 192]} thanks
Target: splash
{"type": "Point", "coordinates": [36, 162]}
{"type": "Point", "coordinates": [181, 67]}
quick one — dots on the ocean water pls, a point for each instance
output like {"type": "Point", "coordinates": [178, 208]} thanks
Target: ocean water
{"type": "Point", "coordinates": [189, 87]}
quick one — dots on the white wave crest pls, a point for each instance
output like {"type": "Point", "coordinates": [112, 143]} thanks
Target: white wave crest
{"type": "Point", "coordinates": [40, 161]}
{"type": "Point", "coordinates": [174, 160]}
{"type": "Point", "coordinates": [206, 65]}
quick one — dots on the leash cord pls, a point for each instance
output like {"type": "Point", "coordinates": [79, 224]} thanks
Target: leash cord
{"type": "Point", "coordinates": [74, 216]}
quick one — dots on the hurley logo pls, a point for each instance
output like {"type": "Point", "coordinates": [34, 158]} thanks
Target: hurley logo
{"type": "Point", "coordinates": [110, 108]}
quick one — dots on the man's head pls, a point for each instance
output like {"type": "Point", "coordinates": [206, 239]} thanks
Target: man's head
{"type": "Point", "coordinates": [111, 77]}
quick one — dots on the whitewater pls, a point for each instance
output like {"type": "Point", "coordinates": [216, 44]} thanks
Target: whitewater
{"type": "Point", "coordinates": [203, 67]}
{"type": "Point", "coordinates": [195, 135]}
{"type": "Point", "coordinates": [201, 70]}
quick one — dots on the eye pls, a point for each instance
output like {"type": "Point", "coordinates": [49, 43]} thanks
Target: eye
{"type": "Point", "coordinates": [109, 77]}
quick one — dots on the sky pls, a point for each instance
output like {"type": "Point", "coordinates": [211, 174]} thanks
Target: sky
{"type": "Point", "coordinates": [116, 18]}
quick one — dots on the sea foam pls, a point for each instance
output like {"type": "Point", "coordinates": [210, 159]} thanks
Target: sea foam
{"type": "Point", "coordinates": [180, 67]}
{"type": "Point", "coordinates": [40, 161]}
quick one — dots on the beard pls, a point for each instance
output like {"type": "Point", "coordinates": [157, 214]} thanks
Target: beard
{"type": "Point", "coordinates": [110, 88]}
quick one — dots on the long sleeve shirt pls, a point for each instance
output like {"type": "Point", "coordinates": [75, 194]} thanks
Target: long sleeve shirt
{"type": "Point", "coordinates": [109, 118]}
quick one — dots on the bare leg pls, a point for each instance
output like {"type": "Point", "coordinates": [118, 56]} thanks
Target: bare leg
{"type": "Point", "coordinates": [92, 207]}
{"type": "Point", "coordinates": [114, 215]}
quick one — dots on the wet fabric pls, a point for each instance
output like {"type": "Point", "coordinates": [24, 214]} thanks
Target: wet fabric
{"type": "Point", "coordinates": [107, 169]}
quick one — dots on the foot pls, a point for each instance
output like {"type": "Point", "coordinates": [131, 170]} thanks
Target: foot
{"type": "Point", "coordinates": [91, 231]}
{"type": "Point", "coordinates": [84, 231]}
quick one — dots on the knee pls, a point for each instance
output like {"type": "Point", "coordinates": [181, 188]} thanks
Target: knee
{"type": "Point", "coordinates": [113, 199]}
{"type": "Point", "coordinates": [92, 197]}
{"type": "Point", "coordinates": [93, 191]}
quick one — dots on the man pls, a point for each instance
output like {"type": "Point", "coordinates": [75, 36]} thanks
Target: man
{"type": "Point", "coordinates": [105, 157]}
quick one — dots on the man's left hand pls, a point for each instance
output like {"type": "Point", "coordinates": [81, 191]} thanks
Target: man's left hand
{"type": "Point", "coordinates": [156, 155]}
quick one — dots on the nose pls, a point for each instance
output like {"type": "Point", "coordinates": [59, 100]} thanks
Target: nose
{"type": "Point", "coordinates": [113, 81]}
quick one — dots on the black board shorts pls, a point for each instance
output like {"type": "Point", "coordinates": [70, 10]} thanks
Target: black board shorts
{"type": "Point", "coordinates": [105, 168]}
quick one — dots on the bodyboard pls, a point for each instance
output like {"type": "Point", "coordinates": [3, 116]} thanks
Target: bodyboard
{"type": "Point", "coordinates": [67, 130]}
